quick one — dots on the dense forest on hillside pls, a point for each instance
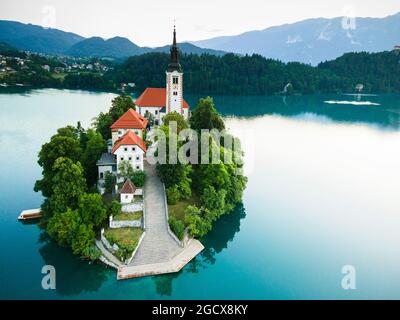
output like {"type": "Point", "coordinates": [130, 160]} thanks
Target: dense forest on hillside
{"type": "Point", "coordinates": [229, 74]}
{"type": "Point", "coordinates": [255, 75]}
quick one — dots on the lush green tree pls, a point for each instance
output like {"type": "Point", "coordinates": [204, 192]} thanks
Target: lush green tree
{"type": "Point", "coordinates": [83, 239]}
{"type": "Point", "coordinates": [214, 201]}
{"type": "Point", "coordinates": [95, 147]}
{"type": "Point", "coordinates": [150, 118]}
{"type": "Point", "coordinates": [92, 209]}
{"type": "Point", "coordinates": [109, 182]}
{"type": "Point", "coordinates": [177, 227]}
{"type": "Point", "coordinates": [205, 116]}
{"type": "Point", "coordinates": [114, 208]}
{"type": "Point", "coordinates": [68, 185]}
{"type": "Point", "coordinates": [125, 169]}
{"type": "Point", "coordinates": [64, 144]}
{"type": "Point", "coordinates": [63, 225]}
{"type": "Point", "coordinates": [197, 224]}
{"type": "Point", "coordinates": [173, 194]}
{"type": "Point", "coordinates": [181, 123]}
{"type": "Point", "coordinates": [138, 178]}
{"type": "Point", "coordinates": [119, 106]}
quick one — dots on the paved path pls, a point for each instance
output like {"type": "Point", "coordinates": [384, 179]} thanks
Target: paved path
{"type": "Point", "coordinates": [107, 254]}
{"type": "Point", "coordinates": [173, 265]}
{"type": "Point", "coordinates": [157, 245]}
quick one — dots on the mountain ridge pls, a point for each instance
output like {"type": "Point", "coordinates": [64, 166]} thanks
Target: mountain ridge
{"type": "Point", "coordinates": [34, 38]}
{"type": "Point", "coordinates": [312, 40]}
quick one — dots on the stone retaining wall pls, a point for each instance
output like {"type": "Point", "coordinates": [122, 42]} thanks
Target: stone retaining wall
{"type": "Point", "coordinates": [115, 224]}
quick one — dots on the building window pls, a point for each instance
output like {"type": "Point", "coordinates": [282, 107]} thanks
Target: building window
{"type": "Point", "coordinates": [120, 132]}
{"type": "Point", "coordinates": [175, 80]}
{"type": "Point", "coordinates": [122, 158]}
{"type": "Point", "coordinates": [175, 93]}
{"type": "Point", "coordinates": [126, 196]}
{"type": "Point", "coordinates": [101, 175]}
{"type": "Point", "coordinates": [137, 167]}
{"type": "Point", "coordinates": [156, 112]}
{"type": "Point", "coordinates": [125, 149]}
{"type": "Point", "coordinates": [133, 149]}
{"type": "Point", "coordinates": [137, 132]}
{"type": "Point", "coordinates": [138, 158]}
{"type": "Point", "coordinates": [130, 158]}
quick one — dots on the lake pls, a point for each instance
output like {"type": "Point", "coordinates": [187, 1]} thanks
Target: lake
{"type": "Point", "coordinates": [323, 192]}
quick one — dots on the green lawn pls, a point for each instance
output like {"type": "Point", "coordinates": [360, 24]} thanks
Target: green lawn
{"type": "Point", "coordinates": [128, 216]}
{"type": "Point", "coordinates": [178, 210]}
{"type": "Point", "coordinates": [126, 238]}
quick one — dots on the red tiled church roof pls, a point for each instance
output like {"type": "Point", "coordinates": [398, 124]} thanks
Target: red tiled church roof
{"type": "Point", "coordinates": [128, 187]}
{"type": "Point", "coordinates": [155, 97]}
{"type": "Point", "coordinates": [129, 139]}
{"type": "Point", "coordinates": [130, 120]}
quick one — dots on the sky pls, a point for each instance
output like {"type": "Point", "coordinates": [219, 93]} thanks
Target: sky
{"type": "Point", "coordinates": [150, 23]}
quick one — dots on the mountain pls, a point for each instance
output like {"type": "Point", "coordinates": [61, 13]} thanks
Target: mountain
{"type": "Point", "coordinates": [34, 38]}
{"type": "Point", "coordinates": [313, 40]}
{"type": "Point", "coordinates": [188, 48]}
{"type": "Point", "coordinates": [98, 47]}
{"type": "Point", "coordinates": [37, 39]}
{"type": "Point", "coordinates": [119, 47]}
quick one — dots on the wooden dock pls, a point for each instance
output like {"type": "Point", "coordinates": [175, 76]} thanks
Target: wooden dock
{"type": "Point", "coordinates": [30, 214]}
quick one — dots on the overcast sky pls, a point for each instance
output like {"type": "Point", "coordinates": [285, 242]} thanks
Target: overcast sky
{"type": "Point", "coordinates": [149, 22]}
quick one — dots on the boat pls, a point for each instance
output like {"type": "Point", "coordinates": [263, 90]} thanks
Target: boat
{"type": "Point", "coordinates": [30, 214]}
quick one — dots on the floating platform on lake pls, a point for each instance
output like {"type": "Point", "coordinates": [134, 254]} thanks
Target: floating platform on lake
{"type": "Point", "coordinates": [30, 214]}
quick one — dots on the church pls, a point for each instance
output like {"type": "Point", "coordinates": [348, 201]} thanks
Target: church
{"type": "Point", "coordinates": [127, 143]}
{"type": "Point", "coordinates": [160, 101]}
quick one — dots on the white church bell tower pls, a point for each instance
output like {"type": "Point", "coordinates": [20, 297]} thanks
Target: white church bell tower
{"type": "Point", "coordinates": [174, 84]}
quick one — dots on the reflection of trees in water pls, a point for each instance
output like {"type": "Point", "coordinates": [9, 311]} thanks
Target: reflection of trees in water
{"type": "Point", "coordinates": [223, 232]}
{"type": "Point", "coordinates": [73, 275]}
{"type": "Point", "coordinates": [164, 283]}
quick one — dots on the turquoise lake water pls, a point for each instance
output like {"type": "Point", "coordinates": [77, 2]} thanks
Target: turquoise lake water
{"type": "Point", "coordinates": [323, 192]}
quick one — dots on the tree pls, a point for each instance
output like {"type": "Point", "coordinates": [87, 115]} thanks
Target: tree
{"type": "Point", "coordinates": [63, 144]}
{"type": "Point", "coordinates": [150, 118]}
{"type": "Point", "coordinates": [177, 227]}
{"type": "Point", "coordinates": [95, 147]}
{"type": "Point", "coordinates": [173, 195]}
{"type": "Point", "coordinates": [63, 225]}
{"type": "Point", "coordinates": [119, 106]}
{"type": "Point", "coordinates": [126, 170]}
{"type": "Point", "coordinates": [138, 178]}
{"type": "Point", "coordinates": [178, 118]}
{"type": "Point", "coordinates": [92, 209]}
{"type": "Point", "coordinates": [198, 226]}
{"type": "Point", "coordinates": [68, 185]}
{"type": "Point", "coordinates": [83, 239]}
{"type": "Point", "coordinates": [205, 116]}
{"type": "Point", "coordinates": [114, 208]}
{"type": "Point", "coordinates": [109, 182]}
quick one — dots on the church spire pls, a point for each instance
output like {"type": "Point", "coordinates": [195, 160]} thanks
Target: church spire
{"type": "Point", "coordinates": [174, 64]}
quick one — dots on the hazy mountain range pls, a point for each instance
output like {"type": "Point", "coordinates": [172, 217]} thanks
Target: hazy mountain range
{"type": "Point", "coordinates": [309, 41]}
{"type": "Point", "coordinates": [313, 40]}
{"type": "Point", "coordinates": [37, 39]}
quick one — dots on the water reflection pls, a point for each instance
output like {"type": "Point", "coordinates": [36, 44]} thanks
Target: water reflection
{"type": "Point", "coordinates": [74, 276]}
{"type": "Point", "coordinates": [387, 114]}
{"type": "Point", "coordinates": [215, 242]}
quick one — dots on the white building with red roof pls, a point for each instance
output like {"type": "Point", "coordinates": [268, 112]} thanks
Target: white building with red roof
{"type": "Point", "coordinates": [161, 101]}
{"type": "Point", "coordinates": [130, 120]}
{"type": "Point", "coordinates": [131, 148]}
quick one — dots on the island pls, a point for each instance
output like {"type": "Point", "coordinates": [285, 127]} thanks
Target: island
{"type": "Point", "coordinates": [137, 190]}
